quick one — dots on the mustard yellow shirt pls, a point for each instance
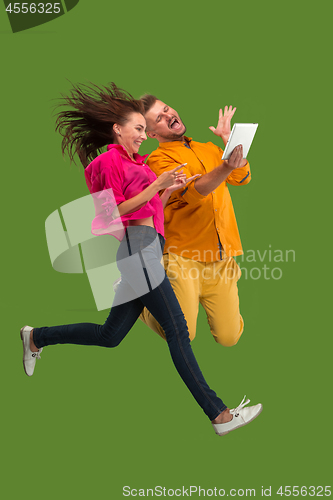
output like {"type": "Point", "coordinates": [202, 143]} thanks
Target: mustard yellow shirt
{"type": "Point", "coordinates": [199, 227]}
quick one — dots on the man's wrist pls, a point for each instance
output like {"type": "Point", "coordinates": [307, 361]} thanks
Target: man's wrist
{"type": "Point", "coordinates": [225, 169]}
{"type": "Point", "coordinates": [225, 138]}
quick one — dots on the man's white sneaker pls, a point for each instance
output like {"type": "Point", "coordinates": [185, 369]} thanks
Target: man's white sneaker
{"type": "Point", "coordinates": [241, 416]}
{"type": "Point", "coordinates": [29, 357]}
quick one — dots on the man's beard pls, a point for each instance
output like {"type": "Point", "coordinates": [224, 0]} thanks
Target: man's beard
{"type": "Point", "coordinates": [174, 136]}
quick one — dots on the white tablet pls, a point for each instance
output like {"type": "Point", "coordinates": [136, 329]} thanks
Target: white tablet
{"type": "Point", "coordinates": [242, 133]}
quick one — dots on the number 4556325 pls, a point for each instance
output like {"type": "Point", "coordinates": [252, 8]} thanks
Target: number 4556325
{"type": "Point", "coordinates": [33, 8]}
{"type": "Point", "coordinates": [312, 491]}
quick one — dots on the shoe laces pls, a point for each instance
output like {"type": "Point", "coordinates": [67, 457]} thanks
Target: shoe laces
{"type": "Point", "coordinates": [37, 354]}
{"type": "Point", "coordinates": [235, 411]}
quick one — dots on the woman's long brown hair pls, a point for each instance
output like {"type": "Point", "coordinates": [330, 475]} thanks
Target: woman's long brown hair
{"type": "Point", "coordinates": [88, 126]}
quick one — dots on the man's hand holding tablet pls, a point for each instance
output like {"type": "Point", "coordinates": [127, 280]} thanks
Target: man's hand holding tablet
{"type": "Point", "coordinates": [241, 134]}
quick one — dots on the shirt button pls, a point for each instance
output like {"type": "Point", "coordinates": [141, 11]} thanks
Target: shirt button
{"type": "Point", "coordinates": [213, 192]}
{"type": "Point", "coordinates": [215, 209]}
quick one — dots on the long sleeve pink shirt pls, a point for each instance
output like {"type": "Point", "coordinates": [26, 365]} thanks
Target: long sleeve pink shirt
{"type": "Point", "coordinates": [114, 177]}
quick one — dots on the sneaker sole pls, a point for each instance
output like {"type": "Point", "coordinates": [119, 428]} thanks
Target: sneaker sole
{"type": "Point", "coordinates": [242, 425]}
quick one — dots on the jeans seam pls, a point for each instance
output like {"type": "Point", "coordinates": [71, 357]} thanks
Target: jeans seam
{"type": "Point", "coordinates": [183, 354]}
{"type": "Point", "coordinates": [120, 329]}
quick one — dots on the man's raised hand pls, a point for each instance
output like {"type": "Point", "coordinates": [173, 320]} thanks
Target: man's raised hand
{"type": "Point", "coordinates": [223, 128]}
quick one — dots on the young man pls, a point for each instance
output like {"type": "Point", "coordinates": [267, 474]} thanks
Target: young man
{"type": "Point", "coordinates": [200, 225]}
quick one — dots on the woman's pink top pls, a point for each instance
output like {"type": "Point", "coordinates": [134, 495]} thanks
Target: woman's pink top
{"type": "Point", "coordinates": [114, 177]}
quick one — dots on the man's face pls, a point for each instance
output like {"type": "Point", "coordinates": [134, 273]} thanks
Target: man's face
{"type": "Point", "coordinates": [164, 123]}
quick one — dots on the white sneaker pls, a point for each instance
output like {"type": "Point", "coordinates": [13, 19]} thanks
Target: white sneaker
{"type": "Point", "coordinates": [241, 416]}
{"type": "Point", "coordinates": [116, 284]}
{"type": "Point", "coordinates": [29, 357]}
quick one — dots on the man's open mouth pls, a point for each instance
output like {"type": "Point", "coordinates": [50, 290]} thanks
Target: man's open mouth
{"type": "Point", "coordinates": [175, 124]}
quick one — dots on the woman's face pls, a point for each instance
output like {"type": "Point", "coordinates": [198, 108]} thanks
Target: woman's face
{"type": "Point", "coordinates": [132, 133]}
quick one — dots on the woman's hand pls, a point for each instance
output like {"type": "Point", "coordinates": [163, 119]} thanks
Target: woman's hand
{"type": "Point", "coordinates": [181, 182]}
{"type": "Point", "coordinates": [168, 179]}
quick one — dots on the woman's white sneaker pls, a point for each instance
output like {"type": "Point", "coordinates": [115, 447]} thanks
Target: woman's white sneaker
{"type": "Point", "coordinates": [29, 357]}
{"type": "Point", "coordinates": [116, 284]}
{"type": "Point", "coordinates": [241, 416]}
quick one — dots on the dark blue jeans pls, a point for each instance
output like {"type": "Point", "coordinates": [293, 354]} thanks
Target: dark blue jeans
{"type": "Point", "coordinates": [143, 284]}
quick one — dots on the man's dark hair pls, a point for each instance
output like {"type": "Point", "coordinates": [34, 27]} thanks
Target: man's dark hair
{"type": "Point", "coordinates": [148, 100]}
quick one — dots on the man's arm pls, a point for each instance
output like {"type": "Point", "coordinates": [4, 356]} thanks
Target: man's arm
{"type": "Point", "coordinates": [180, 183]}
{"type": "Point", "coordinates": [210, 181]}
{"type": "Point", "coordinates": [161, 162]}
{"type": "Point", "coordinates": [240, 176]}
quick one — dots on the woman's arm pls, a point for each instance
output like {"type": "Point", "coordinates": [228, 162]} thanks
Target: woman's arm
{"type": "Point", "coordinates": [137, 201]}
{"type": "Point", "coordinates": [164, 181]}
{"type": "Point", "coordinates": [165, 196]}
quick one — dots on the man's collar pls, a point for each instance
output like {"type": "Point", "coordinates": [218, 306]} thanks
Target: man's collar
{"type": "Point", "coordinates": [175, 143]}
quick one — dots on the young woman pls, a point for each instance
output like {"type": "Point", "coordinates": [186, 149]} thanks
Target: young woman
{"type": "Point", "coordinates": [129, 205]}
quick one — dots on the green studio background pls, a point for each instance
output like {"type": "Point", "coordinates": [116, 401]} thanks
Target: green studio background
{"type": "Point", "coordinates": [91, 420]}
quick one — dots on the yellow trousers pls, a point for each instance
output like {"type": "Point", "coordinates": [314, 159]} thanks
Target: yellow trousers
{"type": "Point", "coordinates": [214, 285]}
